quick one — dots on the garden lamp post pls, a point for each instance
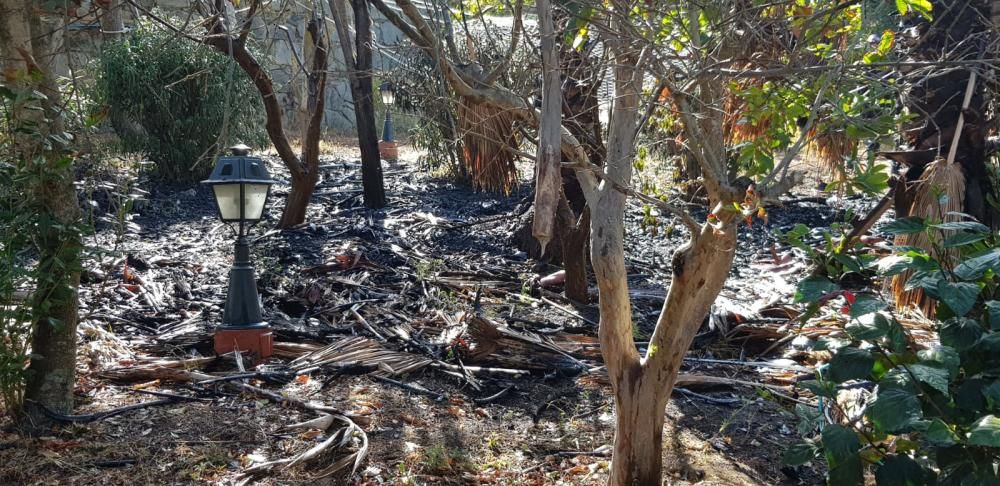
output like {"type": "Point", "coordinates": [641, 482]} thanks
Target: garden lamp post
{"type": "Point", "coordinates": [387, 147]}
{"type": "Point", "coordinates": [241, 184]}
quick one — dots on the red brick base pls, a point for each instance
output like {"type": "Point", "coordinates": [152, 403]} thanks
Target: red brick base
{"type": "Point", "coordinates": [257, 342]}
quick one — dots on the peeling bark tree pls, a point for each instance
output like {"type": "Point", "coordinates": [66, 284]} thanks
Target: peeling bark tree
{"type": "Point", "coordinates": [641, 384]}
{"type": "Point", "coordinates": [26, 54]}
{"type": "Point", "coordinates": [548, 185]}
{"type": "Point", "coordinates": [358, 59]}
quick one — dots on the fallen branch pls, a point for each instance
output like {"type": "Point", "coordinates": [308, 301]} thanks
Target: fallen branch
{"type": "Point", "coordinates": [713, 400]}
{"type": "Point", "coordinates": [413, 388]}
{"type": "Point", "coordinates": [94, 417]}
{"type": "Point", "coordinates": [492, 398]}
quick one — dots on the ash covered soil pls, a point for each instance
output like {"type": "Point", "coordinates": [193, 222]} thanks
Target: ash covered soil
{"type": "Point", "coordinates": [404, 277]}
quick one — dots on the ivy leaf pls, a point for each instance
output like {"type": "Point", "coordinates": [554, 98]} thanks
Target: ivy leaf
{"type": "Point", "coordinates": [986, 432]}
{"type": "Point", "coordinates": [800, 453]}
{"type": "Point", "coordinates": [937, 378]}
{"type": "Point", "coordinates": [960, 333]}
{"type": "Point", "coordinates": [900, 470]}
{"type": "Point", "coordinates": [812, 288]}
{"type": "Point", "coordinates": [906, 226]}
{"type": "Point", "coordinates": [940, 434]}
{"type": "Point", "coordinates": [894, 410]}
{"type": "Point", "coordinates": [850, 363]}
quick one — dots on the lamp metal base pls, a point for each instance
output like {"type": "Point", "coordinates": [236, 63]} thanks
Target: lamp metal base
{"type": "Point", "coordinates": [258, 342]}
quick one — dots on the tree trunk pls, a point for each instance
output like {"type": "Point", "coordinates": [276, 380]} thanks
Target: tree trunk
{"type": "Point", "coordinates": [358, 58]}
{"type": "Point", "coordinates": [639, 414]}
{"type": "Point", "coordinates": [298, 199]}
{"type": "Point", "coordinates": [548, 185]}
{"type": "Point", "coordinates": [112, 21]}
{"type": "Point", "coordinates": [364, 108]}
{"type": "Point", "coordinates": [574, 239]}
{"type": "Point", "coordinates": [304, 182]}
{"type": "Point", "coordinates": [27, 46]}
{"type": "Point", "coordinates": [300, 194]}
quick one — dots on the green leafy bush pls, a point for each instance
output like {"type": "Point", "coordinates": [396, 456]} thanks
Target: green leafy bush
{"type": "Point", "coordinates": [177, 101]}
{"type": "Point", "coordinates": [920, 414]}
{"type": "Point", "coordinates": [14, 316]}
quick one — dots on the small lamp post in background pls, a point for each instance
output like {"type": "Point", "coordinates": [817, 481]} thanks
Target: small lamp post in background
{"type": "Point", "coordinates": [241, 186]}
{"type": "Point", "coordinates": [387, 148]}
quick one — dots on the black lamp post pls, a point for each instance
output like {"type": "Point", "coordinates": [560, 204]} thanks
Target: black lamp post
{"type": "Point", "coordinates": [241, 186]}
{"type": "Point", "coordinates": [387, 147]}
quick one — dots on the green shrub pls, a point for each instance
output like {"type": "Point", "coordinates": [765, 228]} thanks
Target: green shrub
{"type": "Point", "coordinates": [15, 324]}
{"type": "Point", "coordinates": [177, 101]}
{"type": "Point", "coordinates": [920, 414]}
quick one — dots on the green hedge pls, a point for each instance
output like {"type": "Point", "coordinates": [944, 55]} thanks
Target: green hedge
{"type": "Point", "coordinates": [169, 97]}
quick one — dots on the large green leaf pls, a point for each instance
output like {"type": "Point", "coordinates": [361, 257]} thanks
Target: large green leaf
{"type": "Point", "coordinates": [868, 328]}
{"type": "Point", "coordinates": [973, 226]}
{"type": "Point", "coordinates": [962, 239]}
{"type": "Point", "coordinates": [896, 264]}
{"type": "Point", "coordinates": [812, 288]}
{"type": "Point", "coordinates": [940, 434]}
{"type": "Point", "coordinates": [905, 226]}
{"type": "Point", "coordinates": [800, 453]}
{"type": "Point", "coordinates": [958, 296]}
{"type": "Point", "coordinates": [936, 377]}
{"type": "Point", "coordinates": [865, 305]}
{"type": "Point", "coordinates": [974, 267]}
{"type": "Point", "coordinates": [992, 395]}
{"type": "Point", "coordinates": [850, 363]}
{"type": "Point", "coordinates": [945, 356]}
{"type": "Point", "coordinates": [899, 470]}
{"type": "Point", "coordinates": [849, 472]}
{"type": "Point", "coordinates": [986, 432]}
{"type": "Point", "coordinates": [894, 410]}
{"type": "Point", "coordinates": [993, 314]}
{"type": "Point", "coordinates": [960, 333]}
{"type": "Point", "coordinates": [840, 442]}
{"type": "Point", "coordinates": [823, 389]}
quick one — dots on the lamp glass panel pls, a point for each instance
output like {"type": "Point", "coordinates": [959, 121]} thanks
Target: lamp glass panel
{"type": "Point", "coordinates": [255, 197]}
{"type": "Point", "coordinates": [228, 198]}
{"type": "Point", "coordinates": [388, 97]}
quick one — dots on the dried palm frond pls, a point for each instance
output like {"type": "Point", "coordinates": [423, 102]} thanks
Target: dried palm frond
{"type": "Point", "coordinates": [340, 438]}
{"type": "Point", "coordinates": [488, 135]}
{"type": "Point", "coordinates": [832, 147]}
{"type": "Point", "coordinates": [940, 194]}
{"type": "Point", "coordinates": [736, 124]}
{"type": "Point", "coordinates": [360, 350]}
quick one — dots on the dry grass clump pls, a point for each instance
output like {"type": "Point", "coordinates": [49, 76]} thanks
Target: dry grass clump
{"type": "Point", "coordinates": [940, 194]}
{"type": "Point", "coordinates": [832, 148]}
{"type": "Point", "coordinates": [488, 135]}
